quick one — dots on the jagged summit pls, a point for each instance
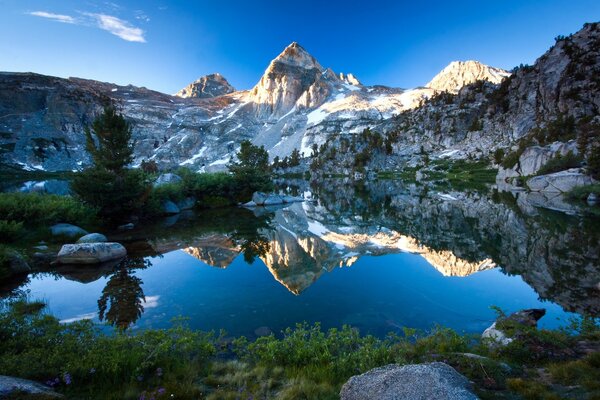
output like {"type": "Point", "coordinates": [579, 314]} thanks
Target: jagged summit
{"type": "Point", "coordinates": [212, 85]}
{"type": "Point", "coordinates": [461, 73]}
{"type": "Point", "coordinates": [293, 79]}
{"type": "Point", "coordinates": [296, 55]}
{"type": "Point", "coordinates": [349, 79]}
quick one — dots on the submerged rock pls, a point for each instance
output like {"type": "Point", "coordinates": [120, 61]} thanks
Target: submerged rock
{"type": "Point", "coordinates": [411, 382]}
{"type": "Point", "coordinates": [90, 253]}
{"type": "Point", "coordinates": [92, 238]}
{"type": "Point", "coordinates": [268, 199]}
{"type": "Point", "coordinates": [67, 230]}
{"type": "Point", "coordinates": [18, 386]}
{"type": "Point", "coordinates": [126, 227]}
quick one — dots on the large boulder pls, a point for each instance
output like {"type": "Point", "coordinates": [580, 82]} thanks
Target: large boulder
{"type": "Point", "coordinates": [90, 253]}
{"type": "Point", "coordinates": [92, 238]}
{"type": "Point", "coordinates": [166, 179]}
{"type": "Point", "coordinates": [559, 182]}
{"type": "Point", "coordinates": [21, 387]}
{"type": "Point", "coordinates": [67, 230]}
{"type": "Point", "coordinates": [411, 382]}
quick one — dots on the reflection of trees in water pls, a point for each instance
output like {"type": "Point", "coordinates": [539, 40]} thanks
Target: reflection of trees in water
{"type": "Point", "coordinates": [121, 303]}
{"type": "Point", "coordinates": [250, 236]}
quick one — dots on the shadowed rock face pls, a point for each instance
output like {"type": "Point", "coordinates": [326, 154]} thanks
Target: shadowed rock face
{"type": "Point", "coordinates": [212, 85]}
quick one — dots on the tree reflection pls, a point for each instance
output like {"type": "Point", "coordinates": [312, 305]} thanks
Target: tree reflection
{"type": "Point", "coordinates": [121, 303]}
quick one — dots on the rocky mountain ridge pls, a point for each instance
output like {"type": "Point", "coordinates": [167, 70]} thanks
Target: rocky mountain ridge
{"type": "Point", "coordinates": [212, 85]}
{"type": "Point", "coordinates": [468, 110]}
{"type": "Point", "coordinates": [296, 103]}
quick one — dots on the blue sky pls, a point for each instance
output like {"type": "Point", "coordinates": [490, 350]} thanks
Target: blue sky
{"type": "Point", "coordinates": [164, 45]}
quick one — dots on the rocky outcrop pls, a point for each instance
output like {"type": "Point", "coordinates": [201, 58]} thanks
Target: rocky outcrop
{"type": "Point", "coordinates": [559, 182]}
{"type": "Point", "coordinates": [504, 329]}
{"type": "Point", "coordinates": [90, 253]}
{"type": "Point", "coordinates": [459, 74]}
{"type": "Point", "coordinates": [208, 86]}
{"type": "Point", "coordinates": [409, 382]}
{"type": "Point", "coordinates": [465, 111]}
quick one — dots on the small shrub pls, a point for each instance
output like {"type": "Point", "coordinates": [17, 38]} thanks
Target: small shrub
{"type": "Point", "coordinates": [560, 163]}
{"type": "Point", "coordinates": [10, 230]}
{"type": "Point", "coordinates": [32, 209]}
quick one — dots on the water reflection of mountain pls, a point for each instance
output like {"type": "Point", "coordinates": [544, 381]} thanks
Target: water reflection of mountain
{"type": "Point", "coordinates": [458, 233]}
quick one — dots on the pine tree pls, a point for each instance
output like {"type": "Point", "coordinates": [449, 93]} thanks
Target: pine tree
{"type": "Point", "coordinates": [114, 150]}
{"type": "Point", "coordinates": [116, 191]}
{"type": "Point", "coordinates": [251, 170]}
{"type": "Point", "coordinates": [294, 158]}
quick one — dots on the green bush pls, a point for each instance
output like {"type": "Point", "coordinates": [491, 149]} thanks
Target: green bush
{"type": "Point", "coordinates": [582, 192]}
{"type": "Point", "coordinates": [32, 209]}
{"type": "Point", "coordinates": [115, 196]}
{"type": "Point", "coordinates": [560, 163]}
{"type": "Point", "coordinates": [81, 361]}
{"type": "Point", "coordinates": [10, 230]}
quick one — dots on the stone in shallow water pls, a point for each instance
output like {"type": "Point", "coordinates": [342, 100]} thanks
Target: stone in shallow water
{"type": "Point", "coordinates": [90, 253]}
{"type": "Point", "coordinates": [67, 230]}
{"type": "Point", "coordinates": [411, 382]}
{"type": "Point", "coordinates": [92, 238]}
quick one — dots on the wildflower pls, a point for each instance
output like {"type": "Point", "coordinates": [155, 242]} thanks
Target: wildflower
{"type": "Point", "coordinates": [67, 378]}
{"type": "Point", "coordinates": [162, 391]}
{"type": "Point", "coordinates": [159, 371]}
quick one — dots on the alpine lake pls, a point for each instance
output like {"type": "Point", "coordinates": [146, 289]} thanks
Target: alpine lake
{"type": "Point", "coordinates": [377, 255]}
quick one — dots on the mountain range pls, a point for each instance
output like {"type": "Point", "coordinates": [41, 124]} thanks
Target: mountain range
{"type": "Point", "coordinates": [468, 110]}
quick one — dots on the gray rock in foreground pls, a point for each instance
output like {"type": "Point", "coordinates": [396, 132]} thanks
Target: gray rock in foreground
{"type": "Point", "coordinates": [9, 385]}
{"type": "Point", "coordinates": [92, 238]}
{"type": "Point", "coordinates": [411, 382]}
{"type": "Point", "coordinates": [67, 230]}
{"type": "Point", "coordinates": [90, 253]}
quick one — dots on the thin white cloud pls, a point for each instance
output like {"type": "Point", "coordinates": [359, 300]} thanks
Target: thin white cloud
{"type": "Point", "coordinates": [119, 27]}
{"type": "Point", "coordinates": [67, 19]}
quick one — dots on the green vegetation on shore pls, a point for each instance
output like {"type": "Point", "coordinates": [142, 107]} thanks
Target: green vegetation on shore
{"type": "Point", "coordinates": [305, 362]}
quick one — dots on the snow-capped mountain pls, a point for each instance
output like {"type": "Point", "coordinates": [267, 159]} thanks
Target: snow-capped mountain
{"type": "Point", "coordinates": [295, 104]}
{"type": "Point", "coordinates": [459, 74]}
{"type": "Point", "coordinates": [212, 85]}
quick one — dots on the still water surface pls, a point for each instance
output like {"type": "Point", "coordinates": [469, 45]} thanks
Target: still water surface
{"type": "Point", "coordinates": [376, 257]}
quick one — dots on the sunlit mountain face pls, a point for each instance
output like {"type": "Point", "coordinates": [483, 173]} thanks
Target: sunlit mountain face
{"type": "Point", "coordinates": [377, 256]}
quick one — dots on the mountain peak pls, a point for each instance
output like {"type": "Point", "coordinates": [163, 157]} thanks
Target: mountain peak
{"type": "Point", "coordinates": [461, 73]}
{"type": "Point", "coordinates": [296, 55]}
{"type": "Point", "coordinates": [212, 85]}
